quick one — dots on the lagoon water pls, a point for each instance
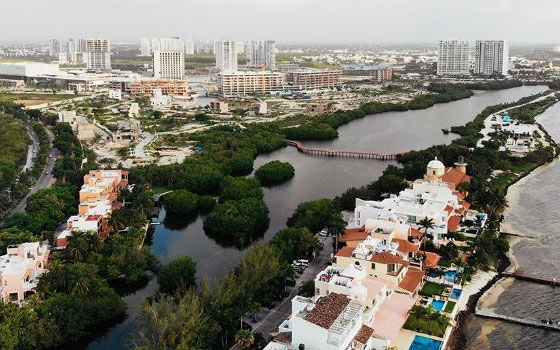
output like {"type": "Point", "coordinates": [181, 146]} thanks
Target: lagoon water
{"type": "Point", "coordinates": [315, 178]}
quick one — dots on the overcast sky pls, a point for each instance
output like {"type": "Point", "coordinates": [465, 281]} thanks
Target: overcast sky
{"type": "Point", "coordinates": [287, 21]}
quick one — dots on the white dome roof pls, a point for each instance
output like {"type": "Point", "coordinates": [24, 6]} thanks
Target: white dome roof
{"type": "Point", "coordinates": [436, 164]}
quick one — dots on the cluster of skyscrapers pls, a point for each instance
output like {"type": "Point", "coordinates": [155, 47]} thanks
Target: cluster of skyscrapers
{"type": "Point", "coordinates": [96, 53]}
{"type": "Point", "coordinates": [491, 58]}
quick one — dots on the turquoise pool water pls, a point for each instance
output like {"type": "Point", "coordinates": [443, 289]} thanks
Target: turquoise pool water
{"type": "Point", "coordinates": [423, 343]}
{"type": "Point", "coordinates": [438, 304]}
{"type": "Point", "coordinates": [450, 275]}
{"type": "Point", "coordinates": [455, 293]}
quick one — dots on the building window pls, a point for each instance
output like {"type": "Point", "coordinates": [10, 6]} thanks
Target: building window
{"type": "Point", "coordinates": [391, 268]}
{"type": "Point", "coordinates": [373, 266]}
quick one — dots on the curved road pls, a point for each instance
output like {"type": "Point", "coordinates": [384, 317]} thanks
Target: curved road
{"type": "Point", "coordinates": [45, 180]}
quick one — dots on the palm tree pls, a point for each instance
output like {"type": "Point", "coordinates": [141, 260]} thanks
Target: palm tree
{"type": "Point", "coordinates": [426, 224]}
{"type": "Point", "coordinates": [244, 339]}
{"type": "Point", "coordinates": [418, 312]}
{"type": "Point", "coordinates": [443, 320]}
{"type": "Point", "coordinates": [81, 288]}
{"type": "Point", "coordinates": [431, 316]}
{"type": "Point", "coordinates": [336, 226]}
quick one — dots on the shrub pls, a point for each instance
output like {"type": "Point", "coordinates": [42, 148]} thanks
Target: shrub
{"type": "Point", "coordinates": [181, 202]}
{"type": "Point", "coordinates": [275, 172]}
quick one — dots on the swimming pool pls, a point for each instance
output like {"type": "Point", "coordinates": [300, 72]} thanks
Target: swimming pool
{"type": "Point", "coordinates": [423, 343]}
{"type": "Point", "coordinates": [450, 275]}
{"type": "Point", "coordinates": [455, 293]}
{"type": "Point", "coordinates": [438, 304]}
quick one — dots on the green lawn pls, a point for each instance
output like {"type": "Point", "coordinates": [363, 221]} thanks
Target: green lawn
{"type": "Point", "coordinates": [431, 288]}
{"type": "Point", "coordinates": [449, 306]}
{"type": "Point", "coordinates": [423, 326]}
{"type": "Point", "coordinates": [34, 98]}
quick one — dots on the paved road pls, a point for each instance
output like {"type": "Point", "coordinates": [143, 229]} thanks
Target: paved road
{"type": "Point", "coordinates": [45, 180]}
{"type": "Point", "coordinates": [271, 319]}
{"type": "Point", "coordinates": [32, 149]}
{"type": "Point", "coordinates": [146, 139]}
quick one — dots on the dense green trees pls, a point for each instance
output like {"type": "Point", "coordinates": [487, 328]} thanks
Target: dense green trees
{"type": "Point", "coordinates": [74, 300]}
{"type": "Point", "coordinates": [13, 235]}
{"type": "Point", "coordinates": [13, 143]}
{"type": "Point", "coordinates": [181, 203]}
{"type": "Point", "coordinates": [275, 172]}
{"type": "Point", "coordinates": [314, 215]}
{"type": "Point", "coordinates": [178, 274]}
{"type": "Point", "coordinates": [235, 188]}
{"type": "Point", "coordinates": [206, 203]}
{"type": "Point", "coordinates": [237, 222]}
{"type": "Point", "coordinates": [294, 243]}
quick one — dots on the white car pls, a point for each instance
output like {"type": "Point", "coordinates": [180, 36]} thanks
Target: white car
{"type": "Point", "coordinates": [324, 232]}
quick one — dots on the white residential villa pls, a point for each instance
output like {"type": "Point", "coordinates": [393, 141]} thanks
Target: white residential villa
{"type": "Point", "coordinates": [434, 197]}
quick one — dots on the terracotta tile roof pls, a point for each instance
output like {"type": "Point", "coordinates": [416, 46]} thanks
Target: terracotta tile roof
{"type": "Point", "coordinates": [454, 176]}
{"type": "Point", "coordinates": [432, 259]}
{"type": "Point", "coordinates": [327, 309]}
{"type": "Point", "coordinates": [412, 280]}
{"type": "Point", "coordinates": [466, 205]}
{"type": "Point", "coordinates": [387, 258]}
{"type": "Point", "coordinates": [354, 234]}
{"type": "Point", "coordinates": [417, 234]}
{"type": "Point", "coordinates": [459, 211]}
{"type": "Point", "coordinates": [345, 252]}
{"type": "Point", "coordinates": [461, 195]}
{"type": "Point", "coordinates": [453, 223]}
{"type": "Point", "coordinates": [449, 209]}
{"type": "Point", "coordinates": [363, 334]}
{"type": "Point", "coordinates": [405, 246]}
{"type": "Point", "coordinates": [284, 338]}
{"type": "Point", "coordinates": [93, 217]}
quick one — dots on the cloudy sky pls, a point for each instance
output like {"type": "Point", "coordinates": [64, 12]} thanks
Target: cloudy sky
{"type": "Point", "coordinates": [287, 21]}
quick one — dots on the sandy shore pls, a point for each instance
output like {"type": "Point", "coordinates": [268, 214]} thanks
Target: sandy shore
{"type": "Point", "coordinates": [488, 301]}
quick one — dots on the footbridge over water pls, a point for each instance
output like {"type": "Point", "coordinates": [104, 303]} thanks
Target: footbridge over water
{"type": "Point", "coordinates": [331, 152]}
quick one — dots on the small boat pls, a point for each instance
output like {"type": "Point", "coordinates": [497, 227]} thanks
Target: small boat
{"type": "Point", "coordinates": [155, 223]}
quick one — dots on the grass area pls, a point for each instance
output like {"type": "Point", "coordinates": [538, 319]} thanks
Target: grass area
{"type": "Point", "coordinates": [431, 288]}
{"type": "Point", "coordinates": [33, 98]}
{"type": "Point", "coordinates": [13, 143]}
{"type": "Point", "coordinates": [423, 326]}
{"type": "Point", "coordinates": [44, 59]}
{"type": "Point", "coordinates": [449, 306]}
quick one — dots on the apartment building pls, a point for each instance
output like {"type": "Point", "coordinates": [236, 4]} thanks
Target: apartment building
{"type": "Point", "coordinates": [314, 79]}
{"type": "Point", "coordinates": [145, 47]}
{"type": "Point", "coordinates": [20, 269]}
{"type": "Point", "coordinates": [453, 58]}
{"type": "Point", "coordinates": [98, 200]}
{"type": "Point", "coordinates": [173, 87]}
{"type": "Point", "coordinates": [169, 64]}
{"type": "Point", "coordinates": [491, 57]}
{"type": "Point", "coordinates": [245, 83]}
{"type": "Point", "coordinates": [226, 55]}
{"type": "Point", "coordinates": [381, 76]}
{"type": "Point", "coordinates": [98, 52]}
{"type": "Point", "coordinates": [55, 47]}
{"type": "Point", "coordinates": [261, 54]}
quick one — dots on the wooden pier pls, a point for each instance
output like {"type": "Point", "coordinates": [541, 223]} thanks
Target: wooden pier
{"type": "Point", "coordinates": [532, 278]}
{"type": "Point", "coordinates": [532, 323]}
{"type": "Point", "coordinates": [330, 152]}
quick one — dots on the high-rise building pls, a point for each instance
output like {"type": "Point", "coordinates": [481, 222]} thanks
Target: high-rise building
{"type": "Point", "coordinates": [453, 57]}
{"type": "Point", "coordinates": [240, 47]}
{"type": "Point", "coordinates": [491, 57]}
{"type": "Point", "coordinates": [169, 64]}
{"type": "Point", "coordinates": [98, 52]}
{"type": "Point", "coordinates": [261, 54]}
{"type": "Point", "coordinates": [226, 55]}
{"type": "Point", "coordinates": [54, 47]}
{"type": "Point", "coordinates": [71, 46]}
{"type": "Point", "coordinates": [189, 47]}
{"type": "Point", "coordinates": [145, 47]}
{"type": "Point", "coordinates": [171, 44]}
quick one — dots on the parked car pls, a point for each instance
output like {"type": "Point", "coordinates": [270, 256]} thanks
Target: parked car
{"type": "Point", "coordinates": [324, 232]}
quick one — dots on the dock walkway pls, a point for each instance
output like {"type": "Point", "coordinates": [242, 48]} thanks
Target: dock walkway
{"type": "Point", "coordinates": [331, 152]}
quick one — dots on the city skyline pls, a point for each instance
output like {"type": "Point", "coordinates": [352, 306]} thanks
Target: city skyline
{"type": "Point", "coordinates": [312, 21]}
